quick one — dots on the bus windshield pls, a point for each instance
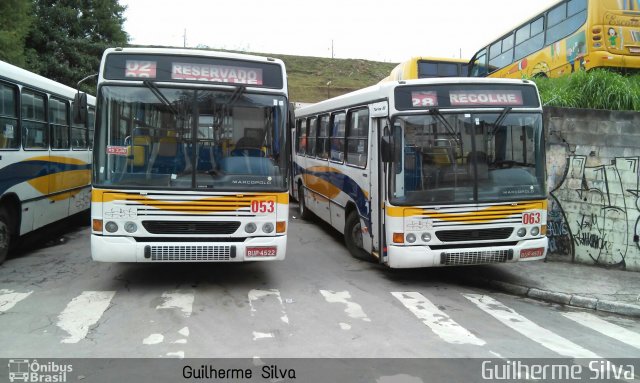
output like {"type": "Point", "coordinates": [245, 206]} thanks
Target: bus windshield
{"type": "Point", "coordinates": [158, 137]}
{"type": "Point", "coordinates": [468, 158]}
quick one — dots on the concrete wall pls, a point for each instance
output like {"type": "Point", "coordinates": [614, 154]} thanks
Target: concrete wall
{"type": "Point", "coordinates": [593, 161]}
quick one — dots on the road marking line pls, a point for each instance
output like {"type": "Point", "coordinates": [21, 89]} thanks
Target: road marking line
{"type": "Point", "coordinates": [153, 339]}
{"type": "Point", "coordinates": [178, 300]}
{"type": "Point", "coordinates": [9, 298]}
{"type": "Point", "coordinates": [261, 335]}
{"type": "Point", "coordinates": [609, 329]}
{"type": "Point", "coordinates": [353, 309]}
{"type": "Point", "coordinates": [255, 295]}
{"type": "Point", "coordinates": [538, 334]}
{"type": "Point", "coordinates": [178, 354]}
{"type": "Point", "coordinates": [439, 322]}
{"type": "Point", "coordinates": [83, 312]}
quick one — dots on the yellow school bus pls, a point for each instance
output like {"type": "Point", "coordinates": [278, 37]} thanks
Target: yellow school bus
{"type": "Point", "coordinates": [428, 67]}
{"type": "Point", "coordinates": [571, 35]}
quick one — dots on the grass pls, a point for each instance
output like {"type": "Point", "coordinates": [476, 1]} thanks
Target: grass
{"type": "Point", "coordinates": [308, 76]}
{"type": "Point", "coordinates": [596, 89]}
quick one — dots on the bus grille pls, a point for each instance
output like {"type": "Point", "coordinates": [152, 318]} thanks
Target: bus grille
{"type": "Point", "coordinates": [475, 257]}
{"type": "Point", "coordinates": [191, 253]}
{"type": "Point", "coordinates": [474, 235]}
{"type": "Point", "coordinates": [190, 227]}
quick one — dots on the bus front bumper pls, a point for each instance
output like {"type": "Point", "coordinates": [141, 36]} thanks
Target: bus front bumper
{"type": "Point", "coordinates": [423, 256]}
{"type": "Point", "coordinates": [127, 249]}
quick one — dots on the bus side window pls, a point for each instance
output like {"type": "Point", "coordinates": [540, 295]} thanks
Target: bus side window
{"type": "Point", "coordinates": [8, 117]}
{"type": "Point", "coordinates": [34, 120]}
{"type": "Point", "coordinates": [59, 123]}
{"type": "Point", "coordinates": [337, 136]}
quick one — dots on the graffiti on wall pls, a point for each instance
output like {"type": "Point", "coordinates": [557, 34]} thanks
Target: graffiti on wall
{"type": "Point", "coordinates": [594, 213]}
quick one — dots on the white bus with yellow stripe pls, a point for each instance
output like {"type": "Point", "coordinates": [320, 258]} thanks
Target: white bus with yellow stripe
{"type": "Point", "coordinates": [45, 158]}
{"type": "Point", "coordinates": [190, 157]}
{"type": "Point", "coordinates": [429, 172]}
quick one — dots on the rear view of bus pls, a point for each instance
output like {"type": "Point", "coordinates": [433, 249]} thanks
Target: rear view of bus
{"type": "Point", "coordinates": [190, 157]}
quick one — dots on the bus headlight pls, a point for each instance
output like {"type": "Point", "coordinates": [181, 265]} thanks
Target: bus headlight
{"type": "Point", "coordinates": [426, 237]}
{"type": "Point", "coordinates": [411, 238]}
{"type": "Point", "coordinates": [522, 232]}
{"type": "Point", "coordinates": [267, 227]}
{"type": "Point", "coordinates": [535, 231]}
{"type": "Point", "coordinates": [111, 227]}
{"type": "Point", "coordinates": [250, 228]}
{"type": "Point", "coordinates": [130, 227]}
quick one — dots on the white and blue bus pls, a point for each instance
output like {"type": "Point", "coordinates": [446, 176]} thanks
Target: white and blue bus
{"type": "Point", "coordinates": [191, 157]}
{"type": "Point", "coordinates": [427, 172]}
{"type": "Point", "coordinates": [45, 158]}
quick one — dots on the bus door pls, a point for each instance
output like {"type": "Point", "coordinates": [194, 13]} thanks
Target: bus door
{"type": "Point", "coordinates": [379, 121]}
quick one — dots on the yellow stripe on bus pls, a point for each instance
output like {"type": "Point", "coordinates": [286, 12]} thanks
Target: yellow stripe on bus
{"type": "Point", "coordinates": [223, 203]}
{"type": "Point", "coordinates": [488, 214]}
{"type": "Point", "coordinates": [321, 186]}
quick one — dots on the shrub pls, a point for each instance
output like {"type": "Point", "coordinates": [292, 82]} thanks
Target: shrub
{"type": "Point", "coordinates": [596, 89]}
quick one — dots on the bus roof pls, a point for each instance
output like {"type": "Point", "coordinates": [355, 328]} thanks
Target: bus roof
{"type": "Point", "coordinates": [37, 82]}
{"type": "Point", "coordinates": [382, 91]}
{"type": "Point", "coordinates": [439, 59]}
{"type": "Point", "coordinates": [193, 52]}
{"type": "Point", "coordinates": [538, 12]}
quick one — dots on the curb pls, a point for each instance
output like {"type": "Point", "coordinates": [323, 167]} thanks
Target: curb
{"type": "Point", "coordinates": [574, 300]}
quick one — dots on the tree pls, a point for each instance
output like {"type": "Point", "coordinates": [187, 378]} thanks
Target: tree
{"type": "Point", "coordinates": [15, 20]}
{"type": "Point", "coordinates": [69, 36]}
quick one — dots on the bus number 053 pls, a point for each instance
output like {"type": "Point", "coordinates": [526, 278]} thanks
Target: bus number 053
{"type": "Point", "coordinates": [530, 218]}
{"type": "Point", "coordinates": [262, 206]}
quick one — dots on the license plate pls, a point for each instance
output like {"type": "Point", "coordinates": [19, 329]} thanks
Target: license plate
{"type": "Point", "coordinates": [261, 251]}
{"type": "Point", "coordinates": [634, 50]}
{"type": "Point", "coordinates": [531, 253]}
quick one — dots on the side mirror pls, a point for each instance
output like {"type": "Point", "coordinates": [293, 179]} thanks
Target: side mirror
{"type": "Point", "coordinates": [386, 149]}
{"type": "Point", "coordinates": [80, 108]}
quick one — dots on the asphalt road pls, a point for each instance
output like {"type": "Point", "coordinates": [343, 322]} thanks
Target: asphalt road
{"type": "Point", "coordinates": [56, 302]}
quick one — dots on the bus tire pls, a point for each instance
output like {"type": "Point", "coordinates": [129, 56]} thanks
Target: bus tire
{"type": "Point", "coordinates": [353, 237]}
{"type": "Point", "coordinates": [5, 234]}
{"type": "Point", "coordinates": [302, 207]}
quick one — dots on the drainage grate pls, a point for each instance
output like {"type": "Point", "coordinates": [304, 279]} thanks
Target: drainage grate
{"type": "Point", "coordinates": [190, 253]}
{"type": "Point", "coordinates": [475, 257]}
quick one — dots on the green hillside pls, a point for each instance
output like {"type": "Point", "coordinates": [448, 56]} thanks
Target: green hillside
{"type": "Point", "coordinates": [308, 76]}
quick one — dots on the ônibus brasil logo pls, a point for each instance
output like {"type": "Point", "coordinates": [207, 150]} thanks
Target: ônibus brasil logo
{"type": "Point", "coordinates": [24, 370]}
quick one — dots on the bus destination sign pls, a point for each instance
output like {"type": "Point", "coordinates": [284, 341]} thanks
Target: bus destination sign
{"type": "Point", "coordinates": [140, 69]}
{"type": "Point", "coordinates": [216, 73]}
{"type": "Point", "coordinates": [182, 68]}
{"type": "Point", "coordinates": [424, 99]}
{"type": "Point", "coordinates": [485, 98]}
{"type": "Point", "coordinates": [465, 96]}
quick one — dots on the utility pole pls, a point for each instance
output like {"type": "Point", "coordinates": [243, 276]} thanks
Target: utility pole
{"type": "Point", "coordinates": [184, 38]}
{"type": "Point", "coordinates": [331, 48]}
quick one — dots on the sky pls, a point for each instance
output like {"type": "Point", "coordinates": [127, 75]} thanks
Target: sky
{"type": "Point", "coordinates": [389, 30]}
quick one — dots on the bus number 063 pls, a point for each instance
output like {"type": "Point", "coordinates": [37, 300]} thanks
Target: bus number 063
{"type": "Point", "coordinates": [262, 206]}
{"type": "Point", "coordinates": [530, 218]}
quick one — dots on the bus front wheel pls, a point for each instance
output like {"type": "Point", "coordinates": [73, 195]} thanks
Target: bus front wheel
{"type": "Point", "coordinates": [353, 237]}
{"type": "Point", "coordinates": [5, 234]}
{"type": "Point", "coordinates": [304, 212]}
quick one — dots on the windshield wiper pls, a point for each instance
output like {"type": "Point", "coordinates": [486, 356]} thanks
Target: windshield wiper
{"type": "Point", "coordinates": [436, 112]}
{"type": "Point", "coordinates": [501, 117]}
{"type": "Point", "coordinates": [235, 96]}
{"type": "Point", "coordinates": [156, 92]}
